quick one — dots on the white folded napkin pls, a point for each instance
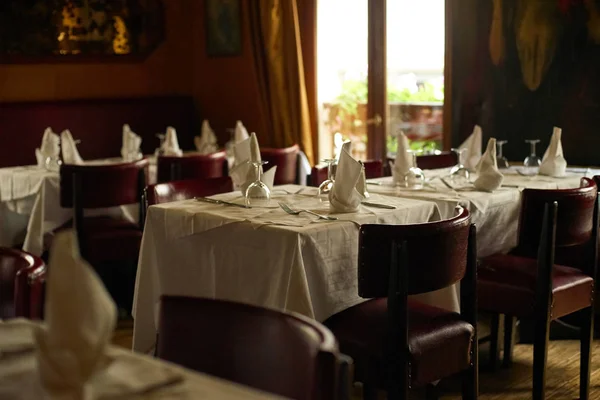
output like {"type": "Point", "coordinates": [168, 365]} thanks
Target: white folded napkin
{"type": "Point", "coordinates": [50, 148]}
{"type": "Point", "coordinates": [489, 178]}
{"type": "Point", "coordinates": [553, 162]}
{"type": "Point", "coordinates": [403, 160]}
{"type": "Point", "coordinates": [70, 155]}
{"type": "Point", "coordinates": [206, 143]}
{"type": "Point", "coordinates": [240, 133]}
{"type": "Point", "coordinates": [344, 197]}
{"type": "Point", "coordinates": [244, 173]}
{"type": "Point", "coordinates": [80, 317]}
{"type": "Point", "coordinates": [171, 144]}
{"type": "Point", "coordinates": [472, 156]}
{"type": "Point", "coordinates": [130, 148]}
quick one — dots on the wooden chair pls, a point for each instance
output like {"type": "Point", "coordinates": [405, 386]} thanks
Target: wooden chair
{"type": "Point", "coordinates": [429, 161]}
{"type": "Point", "coordinates": [549, 275]}
{"type": "Point", "coordinates": [22, 281]}
{"type": "Point", "coordinates": [373, 169]}
{"type": "Point", "coordinates": [397, 342]}
{"type": "Point", "coordinates": [191, 166]}
{"type": "Point", "coordinates": [276, 352]}
{"type": "Point", "coordinates": [287, 162]}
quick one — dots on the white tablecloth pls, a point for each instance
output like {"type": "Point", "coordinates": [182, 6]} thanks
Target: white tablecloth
{"type": "Point", "coordinates": [260, 256]}
{"type": "Point", "coordinates": [129, 376]}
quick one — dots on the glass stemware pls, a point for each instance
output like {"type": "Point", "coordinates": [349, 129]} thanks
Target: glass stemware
{"type": "Point", "coordinates": [532, 161]}
{"type": "Point", "coordinates": [459, 173]}
{"type": "Point", "coordinates": [257, 193]}
{"type": "Point", "coordinates": [414, 179]}
{"type": "Point", "coordinates": [52, 164]}
{"type": "Point", "coordinates": [159, 150]}
{"type": "Point", "coordinates": [327, 185]}
{"type": "Point", "coordinates": [501, 161]}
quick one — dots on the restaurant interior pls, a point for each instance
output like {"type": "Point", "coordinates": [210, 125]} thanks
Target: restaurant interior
{"type": "Point", "coordinates": [180, 218]}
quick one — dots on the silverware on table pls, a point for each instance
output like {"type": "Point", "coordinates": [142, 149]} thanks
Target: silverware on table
{"type": "Point", "coordinates": [291, 211]}
{"type": "Point", "coordinates": [215, 201]}
{"type": "Point", "coordinates": [377, 205]}
{"type": "Point", "coordinates": [449, 186]}
{"type": "Point", "coordinates": [377, 183]}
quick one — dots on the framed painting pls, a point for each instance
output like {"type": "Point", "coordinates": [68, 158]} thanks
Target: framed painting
{"type": "Point", "coordinates": [223, 28]}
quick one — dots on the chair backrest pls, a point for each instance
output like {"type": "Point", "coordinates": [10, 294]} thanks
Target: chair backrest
{"type": "Point", "coordinates": [99, 186]}
{"type": "Point", "coordinates": [276, 352]}
{"type": "Point", "coordinates": [437, 254]}
{"type": "Point", "coordinates": [373, 169]}
{"type": "Point", "coordinates": [429, 161]}
{"type": "Point", "coordinates": [22, 277]}
{"type": "Point", "coordinates": [574, 220]}
{"type": "Point", "coordinates": [287, 163]}
{"type": "Point", "coordinates": [190, 166]}
{"type": "Point", "coordinates": [186, 189]}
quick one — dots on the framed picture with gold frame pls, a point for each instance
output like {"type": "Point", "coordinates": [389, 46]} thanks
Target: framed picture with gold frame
{"type": "Point", "coordinates": [223, 28]}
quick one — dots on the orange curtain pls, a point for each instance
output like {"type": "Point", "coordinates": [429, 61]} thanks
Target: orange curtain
{"type": "Point", "coordinates": [279, 64]}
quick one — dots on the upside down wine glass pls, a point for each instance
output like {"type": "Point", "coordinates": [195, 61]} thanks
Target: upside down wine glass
{"type": "Point", "coordinates": [327, 185]}
{"type": "Point", "coordinates": [159, 150]}
{"type": "Point", "coordinates": [459, 174]}
{"type": "Point", "coordinates": [532, 161]}
{"type": "Point", "coordinates": [501, 161]}
{"type": "Point", "coordinates": [414, 179]}
{"type": "Point", "coordinates": [257, 193]}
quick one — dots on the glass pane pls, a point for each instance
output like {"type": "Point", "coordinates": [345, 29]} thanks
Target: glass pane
{"type": "Point", "coordinates": [342, 54]}
{"type": "Point", "coordinates": [415, 70]}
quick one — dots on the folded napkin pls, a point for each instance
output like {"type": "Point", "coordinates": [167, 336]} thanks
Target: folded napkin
{"type": "Point", "coordinates": [403, 160]}
{"type": "Point", "coordinates": [243, 172]}
{"type": "Point", "coordinates": [361, 185]}
{"type": "Point", "coordinates": [80, 317]}
{"type": "Point", "coordinates": [472, 155]}
{"type": "Point", "coordinates": [130, 148]}
{"type": "Point", "coordinates": [206, 143]}
{"type": "Point", "coordinates": [553, 162]}
{"type": "Point", "coordinates": [70, 155]}
{"type": "Point", "coordinates": [489, 178]}
{"type": "Point", "coordinates": [344, 197]}
{"type": "Point", "coordinates": [50, 148]}
{"type": "Point", "coordinates": [170, 146]}
{"type": "Point", "coordinates": [240, 133]}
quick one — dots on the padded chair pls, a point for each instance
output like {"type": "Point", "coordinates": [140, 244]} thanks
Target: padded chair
{"type": "Point", "coordinates": [445, 159]}
{"type": "Point", "coordinates": [287, 162]}
{"type": "Point", "coordinates": [373, 169]}
{"type": "Point", "coordinates": [22, 280]}
{"type": "Point", "coordinates": [191, 166]}
{"type": "Point", "coordinates": [397, 342]}
{"type": "Point", "coordinates": [281, 353]}
{"type": "Point", "coordinates": [549, 275]}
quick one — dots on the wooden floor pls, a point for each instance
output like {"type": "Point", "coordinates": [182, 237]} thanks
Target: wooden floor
{"type": "Point", "coordinates": [509, 384]}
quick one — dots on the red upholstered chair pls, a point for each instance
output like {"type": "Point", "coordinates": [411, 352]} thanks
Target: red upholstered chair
{"type": "Point", "coordinates": [22, 278]}
{"type": "Point", "coordinates": [549, 275]}
{"type": "Point", "coordinates": [430, 161]}
{"type": "Point", "coordinates": [373, 169]}
{"type": "Point", "coordinates": [276, 352]}
{"type": "Point", "coordinates": [287, 163]}
{"type": "Point", "coordinates": [397, 342]}
{"type": "Point", "coordinates": [186, 189]}
{"type": "Point", "coordinates": [190, 166]}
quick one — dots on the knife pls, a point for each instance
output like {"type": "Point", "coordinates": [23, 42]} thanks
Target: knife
{"type": "Point", "coordinates": [378, 183]}
{"type": "Point", "coordinates": [215, 201]}
{"type": "Point", "coordinates": [377, 205]}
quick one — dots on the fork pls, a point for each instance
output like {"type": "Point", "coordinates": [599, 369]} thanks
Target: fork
{"type": "Point", "coordinates": [290, 211]}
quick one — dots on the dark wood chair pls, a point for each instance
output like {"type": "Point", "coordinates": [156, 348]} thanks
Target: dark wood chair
{"type": "Point", "coordinates": [276, 352]}
{"type": "Point", "coordinates": [287, 162]}
{"type": "Point", "coordinates": [429, 161]}
{"type": "Point", "coordinates": [22, 281]}
{"type": "Point", "coordinates": [373, 169]}
{"type": "Point", "coordinates": [191, 166]}
{"type": "Point", "coordinates": [549, 275]}
{"type": "Point", "coordinates": [396, 342]}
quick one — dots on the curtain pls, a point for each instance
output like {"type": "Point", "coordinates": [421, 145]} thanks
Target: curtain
{"type": "Point", "coordinates": [279, 65]}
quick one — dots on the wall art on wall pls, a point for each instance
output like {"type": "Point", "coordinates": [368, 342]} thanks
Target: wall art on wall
{"type": "Point", "coordinates": [223, 28]}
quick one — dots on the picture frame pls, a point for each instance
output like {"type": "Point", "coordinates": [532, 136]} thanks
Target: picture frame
{"type": "Point", "coordinates": [223, 28]}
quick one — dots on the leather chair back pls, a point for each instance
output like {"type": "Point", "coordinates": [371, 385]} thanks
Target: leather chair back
{"type": "Point", "coordinates": [186, 189]}
{"type": "Point", "coordinates": [373, 169]}
{"type": "Point", "coordinates": [287, 163]}
{"type": "Point", "coordinates": [276, 352]}
{"type": "Point", "coordinates": [22, 278]}
{"type": "Point", "coordinates": [191, 166]}
{"type": "Point", "coordinates": [102, 186]}
{"type": "Point", "coordinates": [437, 257]}
{"type": "Point", "coordinates": [445, 159]}
{"type": "Point", "coordinates": [573, 223]}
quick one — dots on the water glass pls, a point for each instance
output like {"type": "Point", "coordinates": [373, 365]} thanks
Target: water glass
{"type": "Point", "coordinates": [327, 185]}
{"type": "Point", "coordinates": [501, 161]}
{"type": "Point", "coordinates": [532, 161]}
{"type": "Point", "coordinates": [257, 193]}
{"type": "Point", "coordinates": [414, 179]}
{"type": "Point", "coordinates": [459, 174]}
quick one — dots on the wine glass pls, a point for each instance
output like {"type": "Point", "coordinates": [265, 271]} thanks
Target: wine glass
{"type": "Point", "coordinates": [52, 164]}
{"type": "Point", "coordinates": [414, 179]}
{"type": "Point", "coordinates": [459, 173]}
{"type": "Point", "coordinates": [257, 193]}
{"type": "Point", "coordinates": [501, 161]}
{"type": "Point", "coordinates": [159, 150]}
{"type": "Point", "coordinates": [532, 161]}
{"type": "Point", "coordinates": [327, 185]}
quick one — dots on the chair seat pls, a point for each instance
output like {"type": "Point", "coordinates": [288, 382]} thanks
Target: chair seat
{"type": "Point", "coordinates": [506, 285]}
{"type": "Point", "coordinates": [439, 340]}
